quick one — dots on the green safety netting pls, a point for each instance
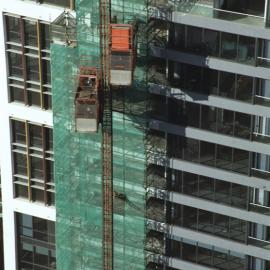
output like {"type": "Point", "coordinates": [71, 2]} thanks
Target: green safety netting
{"type": "Point", "coordinates": [78, 157]}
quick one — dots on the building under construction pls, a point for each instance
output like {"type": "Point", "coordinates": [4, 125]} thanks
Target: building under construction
{"type": "Point", "coordinates": [136, 134]}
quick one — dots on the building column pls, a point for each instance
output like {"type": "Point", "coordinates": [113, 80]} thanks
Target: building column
{"type": "Point", "coordinates": [267, 13]}
{"type": "Point", "coordinates": [9, 226]}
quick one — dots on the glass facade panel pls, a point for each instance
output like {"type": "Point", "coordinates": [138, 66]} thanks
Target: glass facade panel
{"type": "Point", "coordinates": [29, 76]}
{"type": "Point", "coordinates": [207, 153]}
{"type": "Point", "coordinates": [209, 118]}
{"type": "Point", "coordinates": [15, 65]}
{"type": "Point", "coordinates": [13, 29]}
{"type": "Point", "coordinates": [244, 86]}
{"type": "Point", "coordinates": [194, 42]}
{"type": "Point", "coordinates": [225, 122]}
{"type": "Point", "coordinates": [35, 243]}
{"type": "Point", "coordinates": [191, 149]}
{"type": "Point", "coordinates": [189, 252]}
{"type": "Point", "coordinates": [16, 94]}
{"type": "Point", "coordinates": [208, 42]}
{"type": "Point", "coordinates": [21, 191]}
{"type": "Point", "coordinates": [211, 189]}
{"type": "Point", "coordinates": [209, 82]}
{"type": "Point", "coordinates": [228, 46]}
{"type": "Point", "coordinates": [262, 92]}
{"type": "Point", "coordinates": [18, 131]}
{"type": "Point", "coordinates": [33, 162]}
{"type": "Point", "coordinates": [246, 50]}
{"type": "Point", "coordinates": [46, 72]}
{"type": "Point", "coordinates": [20, 165]}
{"type": "Point", "coordinates": [30, 28]}
{"type": "Point", "coordinates": [35, 136]}
{"type": "Point", "coordinates": [227, 85]}
{"type": "Point", "coordinates": [210, 223]}
{"type": "Point", "coordinates": [193, 78]}
{"type": "Point", "coordinates": [211, 41]}
{"type": "Point", "coordinates": [242, 125]}
{"type": "Point", "coordinates": [33, 98]}
{"type": "Point", "coordinates": [32, 69]}
{"type": "Point", "coordinates": [45, 36]}
{"type": "Point", "coordinates": [245, 7]}
{"type": "Point", "coordinates": [192, 115]}
{"type": "Point", "coordinates": [206, 187]}
{"type": "Point", "coordinates": [223, 157]}
{"type": "Point", "coordinates": [37, 168]}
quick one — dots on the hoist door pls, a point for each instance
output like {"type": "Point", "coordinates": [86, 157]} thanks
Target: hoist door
{"type": "Point", "coordinates": [86, 125]}
{"type": "Point", "coordinates": [121, 77]}
{"type": "Point", "coordinates": [86, 117]}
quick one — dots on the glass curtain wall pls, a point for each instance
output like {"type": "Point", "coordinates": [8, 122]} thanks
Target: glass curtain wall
{"type": "Point", "coordinates": [32, 150]}
{"type": "Point", "coordinates": [28, 55]}
{"type": "Point", "coordinates": [35, 243]}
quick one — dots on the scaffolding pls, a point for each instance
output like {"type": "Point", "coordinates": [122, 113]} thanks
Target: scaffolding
{"type": "Point", "coordinates": [78, 156]}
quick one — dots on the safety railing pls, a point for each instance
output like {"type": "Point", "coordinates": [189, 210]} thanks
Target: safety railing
{"type": "Point", "coordinates": [203, 8]}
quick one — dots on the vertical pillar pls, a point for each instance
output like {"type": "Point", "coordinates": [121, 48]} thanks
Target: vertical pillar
{"type": "Point", "coordinates": [40, 63]}
{"type": "Point", "coordinates": [9, 227]}
{"type": "Point", "coordinates": [218, 3]}
{"type": "Point", "coordinates": [267, 13]}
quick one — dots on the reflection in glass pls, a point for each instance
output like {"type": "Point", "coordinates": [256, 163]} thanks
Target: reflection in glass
{"type": "Point", "coordinates": [228, 46]}
{"type": "Point", "coordinates": [30, 28]}
{"type": "Point", "coordinates": [35, 243]}
{"type": "Point", "coordinates": [227, 84]}
{"type": "Point", "coordinates": [13, 29]}
{"type": "Point", "coordinates": [15, 64]}
{"type": "Point", "coordinates": [211, 41]}
{"type": "Point", "coordinates": [246, 50]}
{"type": "Point", "coordinates": [244, 85]}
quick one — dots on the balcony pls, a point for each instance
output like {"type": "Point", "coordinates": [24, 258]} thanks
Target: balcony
{"type": "Point", "coordinates": [248, 15]}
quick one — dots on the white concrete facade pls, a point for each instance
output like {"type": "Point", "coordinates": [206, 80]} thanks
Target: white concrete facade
{"type": "Point", "coordinates": [10, 204]}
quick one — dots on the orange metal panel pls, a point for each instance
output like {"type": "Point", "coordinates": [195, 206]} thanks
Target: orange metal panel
{"type": "Point", "coordinates": [121, 37]}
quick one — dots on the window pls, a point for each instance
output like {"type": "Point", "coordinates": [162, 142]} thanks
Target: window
{"type": "Point", "coordinates": [246, 50]}
{"type": "Point", "coordinates": [246, 7]}
{"type": "Point", "coordinates": [261, 165]}
{"type": "Point", "coordinates": [227, 84]}
{"type": "Point", "coordinates": [30, 28]}
{"type": "Point", "coordinates": [208, 188]}
{"type": "Point", "coordinates": [208, 118]}
{"type": "Point", "coordinates": [244, 86]}
{"type": "Point", "coordinates": [32, 69]}
{"type": "Point", "coordinates": [205, 254]}
{"type": "Point", "coordinates": [13, 29]}
{"type": "Point", "coordinates": [225, 121]}
{"type": "Point", "coordinates": [194, 40]}
{"type": "Point", "coordinates": [211, 223]}
{"type": "Point", "coordinates": [32, 162]}
{"type": "Point", "coordinates": [28, 53]}
{"type": "Point", "coordinates": [219, 156]}
{"type": "Point", "coordinates": [212, 41]}
{"type": "Point", "coordinates": [36, 243]}
{"type": "Point", "coordinates": [15, 64]}
{"type": "Point", "coordinates": [208, 42]}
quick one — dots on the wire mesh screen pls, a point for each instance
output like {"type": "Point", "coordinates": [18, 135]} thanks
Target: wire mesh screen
{"type": "Point", "coordinates": [78, 156]}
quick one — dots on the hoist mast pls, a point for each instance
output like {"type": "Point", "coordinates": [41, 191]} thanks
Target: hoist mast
{"type": "Point", "coordinates": [107, 185]}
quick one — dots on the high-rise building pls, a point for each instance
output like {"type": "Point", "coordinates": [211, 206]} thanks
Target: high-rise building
{"type": "Point", "coordinates": [174, 173]}
{"type": "Point", "coordinates": [26, 137]}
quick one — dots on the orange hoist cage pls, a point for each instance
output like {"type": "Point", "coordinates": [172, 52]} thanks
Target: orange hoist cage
{"type": "Point", "coordinates": [121, 37]}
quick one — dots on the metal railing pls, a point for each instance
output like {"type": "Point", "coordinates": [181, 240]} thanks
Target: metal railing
{"type": "Point", "coordinates": [203, 8]}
